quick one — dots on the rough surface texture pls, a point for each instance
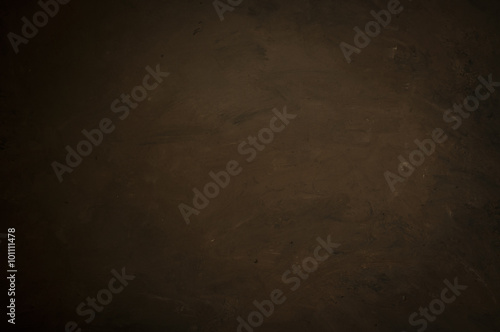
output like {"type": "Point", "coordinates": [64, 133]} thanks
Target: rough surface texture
{"type": "Point", "coordinates": [321, 176]}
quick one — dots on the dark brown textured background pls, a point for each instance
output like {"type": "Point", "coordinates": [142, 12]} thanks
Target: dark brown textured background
{"type": "Point", "coordinates": [323, 175]}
